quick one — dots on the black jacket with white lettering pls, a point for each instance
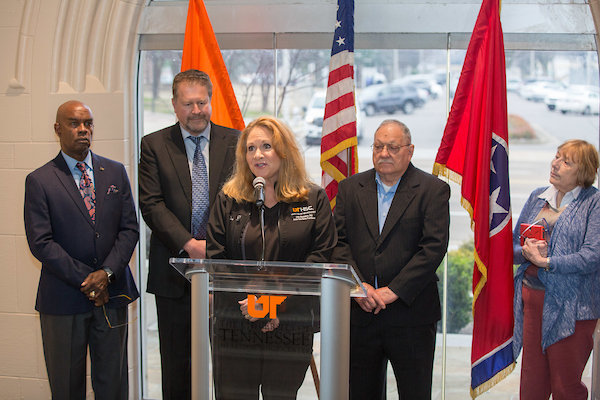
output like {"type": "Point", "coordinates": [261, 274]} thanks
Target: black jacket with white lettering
{"type": "Point", "coordinates": [306, 229]}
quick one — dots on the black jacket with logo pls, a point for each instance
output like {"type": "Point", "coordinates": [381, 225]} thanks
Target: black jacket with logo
{"type": "Point", "coordinates": [307, 234]}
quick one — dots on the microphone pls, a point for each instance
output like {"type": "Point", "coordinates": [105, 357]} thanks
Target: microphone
{"type": "Point", "coordinates": [259, 191]}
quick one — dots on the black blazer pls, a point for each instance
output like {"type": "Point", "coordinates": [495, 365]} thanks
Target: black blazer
{"type": "Point", "coordinates": [165, 191]}
{"type": "Point", "coordinates": [409, 250]}
{"type": "Point", "coordinates": [69, 245]}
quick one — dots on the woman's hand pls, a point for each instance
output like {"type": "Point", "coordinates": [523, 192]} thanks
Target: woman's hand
{"type": "Point", "coordinates": [536, 251]}
{"type": "Point", "coordinates": [271, 325]}
{"type": "Point", "coordinates": [244, 309]}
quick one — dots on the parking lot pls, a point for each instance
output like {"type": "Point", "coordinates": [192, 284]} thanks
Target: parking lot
{"type": "Point", "coordinates": [529, 159]}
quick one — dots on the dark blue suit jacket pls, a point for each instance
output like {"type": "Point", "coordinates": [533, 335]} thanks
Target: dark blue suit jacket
{"type": "Point", "coordinates": [62, 236]}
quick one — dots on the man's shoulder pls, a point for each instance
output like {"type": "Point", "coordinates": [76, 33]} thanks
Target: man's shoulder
{"type": "Point", "coordinates": [224, 131]}
{"type": "Point", "coordinates": [429, 180]}
{"type": "Point", "coordinates": [44, 169]}
{"type": "Point", "coordinates": [105, 163]}
{"type": "Point", "coordinates": [359, 178]}
{"type": "Point", "coordinates": [160, 134]}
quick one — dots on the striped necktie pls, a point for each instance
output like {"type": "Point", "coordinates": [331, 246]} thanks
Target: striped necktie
{"type": "Point", "coordinates": [199, 191]}
{"type": "Point", "coordinates": [86, 188]}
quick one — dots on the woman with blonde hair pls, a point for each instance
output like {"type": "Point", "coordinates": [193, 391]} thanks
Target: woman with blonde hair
{"type": "Point", "coordinates": [270, 355]}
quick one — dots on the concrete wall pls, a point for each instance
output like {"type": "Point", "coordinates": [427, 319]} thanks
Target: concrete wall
{"type": "Point", "coordinates": [53, 51]}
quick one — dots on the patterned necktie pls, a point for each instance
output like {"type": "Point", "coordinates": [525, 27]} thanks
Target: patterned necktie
{"type": "Point", "coordinates": [86, 188]}
{"type": "Point", "coordinates": [199, 191]}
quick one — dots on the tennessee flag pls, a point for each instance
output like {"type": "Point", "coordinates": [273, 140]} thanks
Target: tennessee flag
{"type": "Point", "coordinates": [474, 153]}
{"type": "Point", "coordinates": [201, 51]}
{"type": "Point", "coordinates": [339, 157]}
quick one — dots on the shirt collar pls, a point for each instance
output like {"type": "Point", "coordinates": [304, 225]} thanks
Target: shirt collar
{"type": "Point", "coordinates": [205, 133]}
{"type": "Point", "coordinates": [386, 189]}
{"type": "Point", "coordinates": [72, 163]}
{"type": "Point", "coordinates": [550, 196]}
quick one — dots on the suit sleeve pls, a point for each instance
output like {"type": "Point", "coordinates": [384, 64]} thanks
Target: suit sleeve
{"type": "Point", "coordinates": [38, 229]}
{"type": "Point", "coordinates": [128, 235]}
{"type": "Point", "coordinates": [324, 235]}
{"type": "Point", "coordinates": [216, 235]}
{"type": "Point", "coordinates": [432, 247]}
{"type": "Point", "coordinates": [163, 222]}
{"type": "Point", "coordinates": [342, 253]}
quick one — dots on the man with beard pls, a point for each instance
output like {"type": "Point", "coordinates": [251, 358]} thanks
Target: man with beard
{"type": "Point", "coordinates": [181, 170]}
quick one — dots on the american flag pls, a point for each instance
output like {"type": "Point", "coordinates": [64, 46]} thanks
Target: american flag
{"type": "Point", "coordinates": [338, 142]}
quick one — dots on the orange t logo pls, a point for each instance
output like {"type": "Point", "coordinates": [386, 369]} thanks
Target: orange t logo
{"type": "Point", "coordinates": [268, 304]}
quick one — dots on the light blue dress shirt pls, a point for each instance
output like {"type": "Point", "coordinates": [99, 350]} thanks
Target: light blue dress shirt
{"type": "Point", "coordinates": [385, 195]}
{"type": "Point", "coordinates": [72, 164]}
{"type": "Point", "coordinates": [190, 147]}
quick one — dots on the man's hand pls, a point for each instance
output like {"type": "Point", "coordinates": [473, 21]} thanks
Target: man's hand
{"type": "Point", "coordinates": [195, 248]}
{"type": "Point", "coordinates": [95, 284]}
{"type": "Point", "coordinates": [373, 302]}
{"type": "Point", "coordinates": [101, 298]}
{"type": "Point", "coordinates": [386, 294]}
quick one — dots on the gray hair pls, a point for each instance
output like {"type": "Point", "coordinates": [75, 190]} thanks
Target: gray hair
{"type": "Point", "coordinates": [399, 124]}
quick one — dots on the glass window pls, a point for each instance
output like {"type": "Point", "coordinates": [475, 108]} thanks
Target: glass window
{"type": "Point", "coordinates": [552, 96]}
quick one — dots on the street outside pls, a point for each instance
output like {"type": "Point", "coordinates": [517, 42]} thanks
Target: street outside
{"type": "Point", "coordinates": [529, 160]}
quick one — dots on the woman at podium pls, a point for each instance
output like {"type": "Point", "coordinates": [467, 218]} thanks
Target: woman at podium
{"type": "Point", "coordinates": [268, 210]}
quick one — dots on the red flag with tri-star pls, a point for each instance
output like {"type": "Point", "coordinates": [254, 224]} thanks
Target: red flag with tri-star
{"type": "Point", "coordinates": [474, 153]}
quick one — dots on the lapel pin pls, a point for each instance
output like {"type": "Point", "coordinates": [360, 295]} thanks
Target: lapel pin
{"type": "Point", "coordinates": [101, 168]}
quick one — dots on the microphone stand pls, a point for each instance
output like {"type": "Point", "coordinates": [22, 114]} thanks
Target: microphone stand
{"type": "Point", "coordinates": [262, 232]}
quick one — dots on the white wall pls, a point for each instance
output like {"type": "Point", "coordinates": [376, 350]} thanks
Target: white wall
{"type": "Point", "coordinates": [53, 51]}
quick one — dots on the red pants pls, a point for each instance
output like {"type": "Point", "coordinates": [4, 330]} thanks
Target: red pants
{"type": "Point", "coordinates": [559, 370]}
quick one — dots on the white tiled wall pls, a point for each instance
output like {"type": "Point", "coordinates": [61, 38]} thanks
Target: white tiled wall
{"type": "Point", "coordinates": [30, 35]}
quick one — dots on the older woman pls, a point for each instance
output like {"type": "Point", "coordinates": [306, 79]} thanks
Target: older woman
{"type": "Point", "coordinates": [557, 285]}
{"type": "Point", "coordinates": [298, 227]}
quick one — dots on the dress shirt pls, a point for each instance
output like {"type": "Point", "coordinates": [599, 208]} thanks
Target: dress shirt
{"type": "Point", "coordinates": [72, 164]}
{"type": "Point", "coordinates": [385, 196]}
{"type": "Point", "coordinates": [190, 147]}
{"type": "Point", "coordinates": [550, 196]}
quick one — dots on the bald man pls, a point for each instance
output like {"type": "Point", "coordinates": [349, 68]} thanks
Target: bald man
{"type": "Point", "coordinates": [81, 225]}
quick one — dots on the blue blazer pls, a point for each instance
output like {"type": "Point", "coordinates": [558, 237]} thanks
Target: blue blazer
{"type": "Point", "coordinates": [573, 280]}
{"type": "Point", "coordinates": [62, 236]}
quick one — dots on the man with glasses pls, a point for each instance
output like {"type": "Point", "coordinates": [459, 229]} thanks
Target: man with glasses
{"type": "Point", "coordinates": [393, 227]}
{"type": "Point", "coordinates": [81, 224]}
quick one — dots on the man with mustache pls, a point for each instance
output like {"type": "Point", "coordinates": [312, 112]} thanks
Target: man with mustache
{"type": "Point", "coordinates": [393, 227]}
{"type": "Point", "coordinates": [181, 170]}
{"type": "Point", "coordinates": [81, 224]}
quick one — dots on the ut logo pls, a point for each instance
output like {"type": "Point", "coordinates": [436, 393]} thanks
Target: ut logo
{"type": "Point", "coordinates": [268, 304]}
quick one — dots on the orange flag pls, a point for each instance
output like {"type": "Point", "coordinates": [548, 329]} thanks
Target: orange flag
{"type": "Point", "coordinates": [201, 51]}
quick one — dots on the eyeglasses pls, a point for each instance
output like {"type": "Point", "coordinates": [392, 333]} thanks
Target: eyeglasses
{"type": "Point", "coordinates": [111, 326]}
{"type": "Point", "coordinates": [391, 148]}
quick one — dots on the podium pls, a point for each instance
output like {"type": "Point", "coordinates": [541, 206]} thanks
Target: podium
{"type": "Point", "coordinates": [334, 283]}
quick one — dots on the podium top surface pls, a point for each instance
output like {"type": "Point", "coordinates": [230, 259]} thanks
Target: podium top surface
{"type": "Point", "coordinates": [268, 276]}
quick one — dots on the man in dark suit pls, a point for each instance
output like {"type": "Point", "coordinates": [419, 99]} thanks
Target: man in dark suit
{"type": "Point", "coordinates": [176, 188]}
{"type": "Point", "coordinates": [393, 224]}
{"type": "Point", "coordinates": [81, 225]}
